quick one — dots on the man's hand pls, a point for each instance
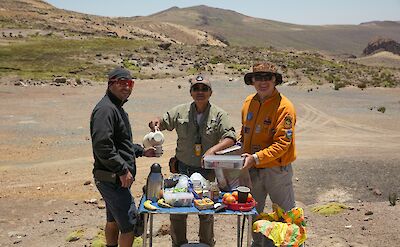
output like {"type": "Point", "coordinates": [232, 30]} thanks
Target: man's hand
{"type": "Point", "coordinates": [249, 161]}
{"type": "Point", "coordinates": [149, 152]}
{"type": "Point", "coordinates": [210, 151]}
{"type": "Point", "coordinates": [154, 124]}
{"type": "Point", "coordinates": [126, 180]}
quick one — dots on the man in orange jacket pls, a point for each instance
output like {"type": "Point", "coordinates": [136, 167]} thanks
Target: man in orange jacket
{"type": "Point", "coordinates": [268, 141]}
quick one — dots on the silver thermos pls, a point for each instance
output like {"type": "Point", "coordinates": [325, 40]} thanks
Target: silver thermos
{"type": "Point", "coordinates": [154, 184]}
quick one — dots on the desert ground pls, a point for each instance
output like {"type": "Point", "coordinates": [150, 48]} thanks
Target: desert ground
{"type": "Point", "coordinates": [348, 152]}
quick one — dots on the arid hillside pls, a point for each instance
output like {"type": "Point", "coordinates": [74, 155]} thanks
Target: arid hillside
{"type": "Point", "coordinates": [41, 44]}
{"type": "Point", "coordinates": [239, 29]}
{"type": "Point", "coordinates": [23, 17]}
{"type": "Point", "coordinates": [197, 25]}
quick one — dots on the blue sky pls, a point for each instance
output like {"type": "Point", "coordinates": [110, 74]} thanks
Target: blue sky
{"type": "Point", "coordinates": [312, 12]}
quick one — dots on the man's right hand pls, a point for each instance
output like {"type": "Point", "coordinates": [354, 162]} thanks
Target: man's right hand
{"type": "Point", "coordinates": [155, 123]}
{"type": "Point", "coordinates": [126, 180]}
{"type": "Point", "coordinates": [249, 161]}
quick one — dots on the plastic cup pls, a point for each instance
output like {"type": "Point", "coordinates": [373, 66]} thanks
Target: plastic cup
{"type": "Point", "coordinates": [243, 193]}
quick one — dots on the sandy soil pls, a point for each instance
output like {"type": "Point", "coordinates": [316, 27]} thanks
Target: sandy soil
{"type": "Point", "coordinates": [346, 153]}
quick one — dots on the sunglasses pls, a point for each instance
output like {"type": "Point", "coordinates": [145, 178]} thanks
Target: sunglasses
{"type": "Point", "coordinates": [200, 89]}
{"type": "Point", "coordinates": [263, 76]}
{"type": "Point", "coordinates": [124, 82]}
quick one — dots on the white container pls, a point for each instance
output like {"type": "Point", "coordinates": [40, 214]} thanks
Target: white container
{"type": "Point", "coordinates": [178, 199]}
{"type": "Point", "coordinates": [223, 161]}
{"type": "Point", "coordinates": [154, 139]}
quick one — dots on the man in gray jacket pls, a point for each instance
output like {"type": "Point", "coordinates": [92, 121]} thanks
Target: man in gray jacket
{"type": "Point", "coordinates": [114, 158]}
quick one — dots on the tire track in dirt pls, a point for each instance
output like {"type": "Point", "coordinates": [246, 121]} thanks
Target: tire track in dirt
{"type": "Point", "coordinates": [315, 119]}
{"type": "Point", "coordinates": [333, 131]}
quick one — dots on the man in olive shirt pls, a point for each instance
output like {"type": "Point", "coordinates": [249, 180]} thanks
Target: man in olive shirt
{"type": "Point", "coordinates": [202, 129]}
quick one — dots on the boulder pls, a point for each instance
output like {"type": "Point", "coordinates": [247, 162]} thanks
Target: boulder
{"type": "Point", "coordinates": [382, 44]}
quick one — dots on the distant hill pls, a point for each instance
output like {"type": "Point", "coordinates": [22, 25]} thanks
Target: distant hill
{"type": "Point", "coordinates": [198, 25]}
{"type": "Point", "coordinates": [239, 29]}
{"type": "Point", "coordinates": [40, 16]}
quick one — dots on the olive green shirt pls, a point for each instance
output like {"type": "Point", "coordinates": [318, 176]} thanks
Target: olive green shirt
{"type": "Point", "coordinates": [214, 126]}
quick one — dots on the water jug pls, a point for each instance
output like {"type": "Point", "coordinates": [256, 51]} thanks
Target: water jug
{"type": "Point", "coordinates": [154, 184]}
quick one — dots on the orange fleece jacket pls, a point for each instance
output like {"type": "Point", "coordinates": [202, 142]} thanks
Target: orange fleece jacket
{"type": "Point", "coordinates": [268, 130]}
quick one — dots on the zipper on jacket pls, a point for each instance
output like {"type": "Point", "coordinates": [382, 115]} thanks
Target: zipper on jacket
{"type": "Point", "coordinates": [255, 123]}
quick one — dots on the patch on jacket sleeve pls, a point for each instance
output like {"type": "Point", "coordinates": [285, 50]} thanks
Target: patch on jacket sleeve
{"type": "Point", "coordinates": [289, 134]}
{"type": "Point", "coordinates": [249, 116]}
{"type": "Point", "coordinates": [288, 122]}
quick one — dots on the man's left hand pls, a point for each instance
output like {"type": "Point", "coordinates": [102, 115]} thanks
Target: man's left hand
{"type": "Point", "coordinates": [149, 152]}
{"type": "Point", "coordinates": [249, 161]}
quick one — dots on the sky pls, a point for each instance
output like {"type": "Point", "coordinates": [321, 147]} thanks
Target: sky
{"type": "Point", "coordinates": [307, 12]}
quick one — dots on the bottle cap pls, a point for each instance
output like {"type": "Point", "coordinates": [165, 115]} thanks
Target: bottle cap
{"type": "Point", "coordinates": [155, 168]}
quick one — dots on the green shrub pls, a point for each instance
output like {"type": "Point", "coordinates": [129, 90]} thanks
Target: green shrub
{"type": "Point", "coordinates": [75, 235]}
{"type": "Point", "coordinates": [338, 85]}
{"type": "Point", "coordinates": [362, 85]}
{"type": "Point", "coordinates": [129, 65]}
{"type": "Point", "coordinates": [216, 59]}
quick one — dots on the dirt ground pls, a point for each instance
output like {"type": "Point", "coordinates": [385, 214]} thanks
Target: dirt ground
{"type": "Point", "coordinates": [347, 152]}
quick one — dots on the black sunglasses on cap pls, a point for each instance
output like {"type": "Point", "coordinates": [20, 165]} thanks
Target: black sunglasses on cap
{"type": "Point", "coordinates": [200, 88]}
{"type": "Point", "coordinates": [263, 76]}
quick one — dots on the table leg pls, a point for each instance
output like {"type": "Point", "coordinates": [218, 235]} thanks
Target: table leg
{"type": "Point", "coordinates": [151, 230]}
{"type": "Point", "coordinates": [238, 231]}
{"type": "Point", "coordinates": [249, 229]}
{"type": "Point", "coordinates": [144, 236]}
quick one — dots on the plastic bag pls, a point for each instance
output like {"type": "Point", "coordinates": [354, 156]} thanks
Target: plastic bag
{"type": "Point", "coordinates": [283, 228]}
{"type": "Point", "coordinates": [230, 179]}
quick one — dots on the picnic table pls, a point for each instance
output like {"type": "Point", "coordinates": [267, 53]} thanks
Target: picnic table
{"type": "Point", "coordinates": [148, 219]}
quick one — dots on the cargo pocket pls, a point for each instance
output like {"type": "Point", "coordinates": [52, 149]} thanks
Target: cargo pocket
{"type": "Point", "coordinates": [182, 128]}
{"type": "Point", "coordinates": [212, 133]}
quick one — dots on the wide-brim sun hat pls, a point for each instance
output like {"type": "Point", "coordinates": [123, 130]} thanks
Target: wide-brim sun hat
{"type": "Point", "coordinates": [261, 68]}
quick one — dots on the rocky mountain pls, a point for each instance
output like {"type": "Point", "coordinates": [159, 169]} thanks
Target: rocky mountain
{"type": "Point", "coordinates": [238, 29]}
{"type": "Point", "coordinates": [382, 44]}
{"type": "Point", "coordinates": [195, 25]}
{"type": "Point", "coordinates": [24, 17]}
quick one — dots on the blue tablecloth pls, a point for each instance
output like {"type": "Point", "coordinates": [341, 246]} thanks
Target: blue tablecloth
{"type": "Point", "coordinates": [189, 210]}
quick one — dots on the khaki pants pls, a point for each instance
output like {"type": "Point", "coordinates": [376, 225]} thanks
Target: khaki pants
{"type": "Point", "coordinates": [178, 229]}
{"type": "Point", "coordinates": [277, 183]}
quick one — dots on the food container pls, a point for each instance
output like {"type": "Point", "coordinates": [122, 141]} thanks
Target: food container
{"type": "Point", "coordinates": [223, 161]}
{"type": "Point", "coordinates": [203, 204]}
{"type": "Point", "coordinates": [178, 199]}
